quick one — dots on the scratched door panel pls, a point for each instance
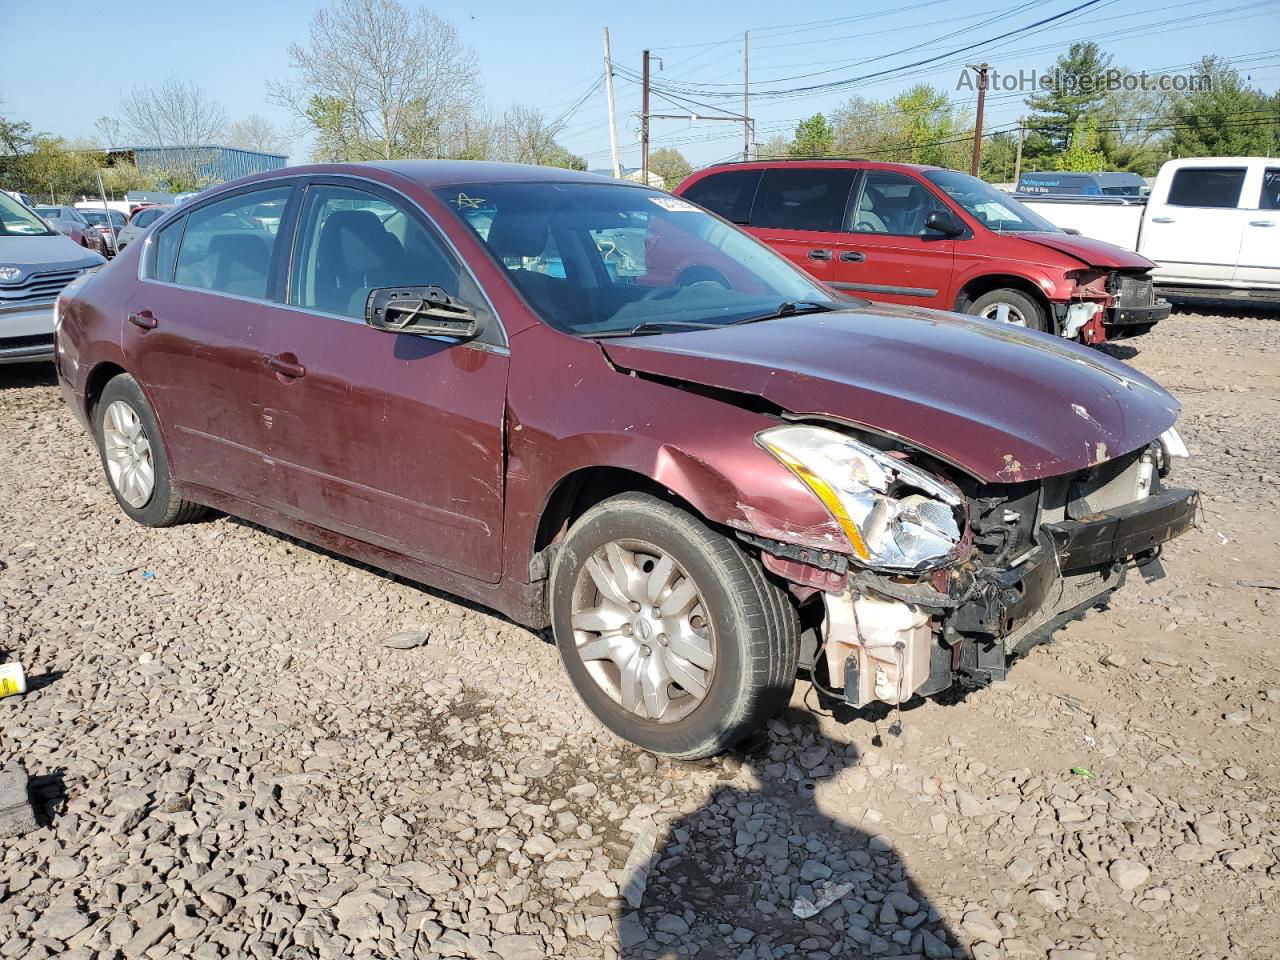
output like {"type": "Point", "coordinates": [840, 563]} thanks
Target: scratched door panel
{"type": "Point", "coordinates": [393, 439]}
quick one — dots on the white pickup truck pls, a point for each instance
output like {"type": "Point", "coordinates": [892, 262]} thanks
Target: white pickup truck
{"type": "Point", "coordinates": [1211, 224]}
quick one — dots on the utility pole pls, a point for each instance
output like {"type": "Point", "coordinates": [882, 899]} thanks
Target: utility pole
{"type": "Point", "coordinates": [644, 121]}
{"type": "Point", "coordinates": [746, 103]}
{"type": "Point", "coordinates": [977, 127]}
{"type": "Point", "coordinates": [608, 86]}
{"type": "Point", "coordinates": [1017, 164]}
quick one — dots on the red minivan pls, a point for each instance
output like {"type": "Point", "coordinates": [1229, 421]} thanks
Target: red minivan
{"type": "Point", "coordinates": [926, 236]}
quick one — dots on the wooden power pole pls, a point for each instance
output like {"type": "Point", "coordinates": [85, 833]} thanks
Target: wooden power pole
{"type": "Point", "coordinates": [608, 86]}
{"type": "Point", "coordinates": [644, 121]}
{"type": "Point", "coordinates": [977, 127]}
{"type": "Point", "coordinates": [1017, 163]}
{"type": "Point", "coordinates": [746, 103]}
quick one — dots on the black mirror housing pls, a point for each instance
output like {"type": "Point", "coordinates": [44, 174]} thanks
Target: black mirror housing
{"type": "Point", "coordinates": [943, 222]}
{"type": "Point", "coordinates": [423, 311]}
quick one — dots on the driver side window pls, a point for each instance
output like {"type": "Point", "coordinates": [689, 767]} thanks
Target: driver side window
{"type": "Point", "coordinates": [351, 241]}
{"type": "Point", "coordinates": [892, 204]}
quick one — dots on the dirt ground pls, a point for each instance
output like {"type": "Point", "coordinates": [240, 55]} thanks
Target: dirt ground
{"type": "Point", "coordinates": [227, 761]}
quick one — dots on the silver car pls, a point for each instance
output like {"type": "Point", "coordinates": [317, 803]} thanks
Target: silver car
{"type": "Point", "coordinates": [36, 263]}
{"type": "Point", "coordinates": [139, 222]}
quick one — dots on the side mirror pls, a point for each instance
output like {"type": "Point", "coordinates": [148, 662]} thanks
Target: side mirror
{"type": "Point", "coordinates": [943, 222]}
{"type": "Point", "coordinates": [425, 311]}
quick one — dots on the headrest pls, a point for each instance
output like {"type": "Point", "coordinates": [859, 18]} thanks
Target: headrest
{"type": "Point", "coordinates": [518, 234]}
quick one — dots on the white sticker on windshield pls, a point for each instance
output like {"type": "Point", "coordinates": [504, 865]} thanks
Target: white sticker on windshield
{"type": "Point", "coordinates": [674, 204]}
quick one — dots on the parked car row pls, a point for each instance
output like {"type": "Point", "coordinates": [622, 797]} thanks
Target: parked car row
{"type": "Point", "coordinates": [598, 407]}
{"type": "Point", "coordinates": [925, 236]}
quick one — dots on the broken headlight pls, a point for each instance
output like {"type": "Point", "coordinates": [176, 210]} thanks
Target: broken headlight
{"type": "Point", "coordinates": [895, 515]}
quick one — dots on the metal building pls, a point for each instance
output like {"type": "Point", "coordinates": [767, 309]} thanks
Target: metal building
{"type": "Point", "coordinates": [210, 164]}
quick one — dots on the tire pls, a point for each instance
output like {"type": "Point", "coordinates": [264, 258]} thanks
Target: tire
{"type": "Point", "coordinates": [748, 623]}
{"type": "Point", "coordinates": [155, 504]}
{"type": "Point", "coordinates": [1020, 305]}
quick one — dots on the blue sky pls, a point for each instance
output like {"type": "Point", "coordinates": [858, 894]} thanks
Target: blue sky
{"type": "Point", "coordinates": [549, 56]}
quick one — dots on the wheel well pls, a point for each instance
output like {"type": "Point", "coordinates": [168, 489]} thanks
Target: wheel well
{"type": "Point", "coordinates": [978, 286]}
{"type": "Point", "coordinates": [99, 377]}
{"type": "Point", "coordinates": [578, 492]}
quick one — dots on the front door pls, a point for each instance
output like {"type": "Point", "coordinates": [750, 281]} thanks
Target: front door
{"type": "Point", "coordinates": [1260, 245]}
{"type": "Point", "coordinates": [392, 439]}
{"type": "Point", "coordinates": [1194, 231]}
{"type": "Point", "coordinates": [890, 256]}
{"type": "Point", "coordinates": [197, 334]}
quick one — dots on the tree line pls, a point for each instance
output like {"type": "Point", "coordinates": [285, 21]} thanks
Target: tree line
{"type": "Point", "coordinates": [1072, 125]}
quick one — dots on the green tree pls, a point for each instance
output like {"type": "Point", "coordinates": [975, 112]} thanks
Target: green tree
{"type": "Point", "coordinates": [670, 164]}
{"type": "Point", "coordinates": [775, 148]}
{"type": "Point", "coordinates": [1083, 155]}
{"type": "Point", "coordinates": [1074, 92]}
{"type": "Point", "coordinates": [1225, 119]}
{"type": "Point", "coordinates": [999, 157]}
{"type": "Point", "coordinates": [814, 138]}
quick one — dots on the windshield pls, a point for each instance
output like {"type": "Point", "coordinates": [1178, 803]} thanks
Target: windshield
{"type": "Point", "coordinates": [16, 220]}
{"type": "Point", "coordinates": [994, 208]}
{"type": "Point", "coordinates": [599, 259]}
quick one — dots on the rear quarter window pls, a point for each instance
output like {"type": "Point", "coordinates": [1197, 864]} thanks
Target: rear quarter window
{"type": "Point", "coordinates": [728, 194]}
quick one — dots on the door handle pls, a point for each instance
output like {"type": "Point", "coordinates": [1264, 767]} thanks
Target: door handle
{"type": "Point", "coordinates": [1162, 219]}
{"type": "Point", "coordinates": [1262, 223]}
{"type": "Point", "coordinates": [286, 368]}
{"type": "Point", "coordinates": [819, 254]}
{"type": "Point", "coordinates": [853, 256]}
{"type": "Point", "coordinates": [144, 319]}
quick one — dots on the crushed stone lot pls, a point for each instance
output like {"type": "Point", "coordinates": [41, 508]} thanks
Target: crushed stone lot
{"type": "Point", "coordinates": [226, 760]}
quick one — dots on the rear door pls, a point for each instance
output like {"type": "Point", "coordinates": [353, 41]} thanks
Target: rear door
{"type": "Point", "coordinates": [197, 336]}
{"type": "Point", "coordinates": [889, 255]}
{"type": "Point", "coordinates": [1193, 228]}
{"type": "Point", "coordinates": [1259, 264]}
{"type": "Point", "coordinates": [392, 439]}
{"type": "Point", "coordinates": [801, 211]}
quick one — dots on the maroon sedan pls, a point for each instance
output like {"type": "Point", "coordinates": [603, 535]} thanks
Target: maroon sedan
{"type": "Point", "coordinates": [596, 406]}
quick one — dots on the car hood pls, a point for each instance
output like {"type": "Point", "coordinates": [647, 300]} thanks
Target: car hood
{"type": "Point", "coordinates": [44, 254]}
{"type": "Point", "coordinates": [1000, 402]}
{"type": "Point", "coordinates": [1093, 253]}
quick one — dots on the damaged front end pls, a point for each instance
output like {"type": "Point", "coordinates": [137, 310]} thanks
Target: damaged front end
{"type": "Point", "coordinates": [946, 578]}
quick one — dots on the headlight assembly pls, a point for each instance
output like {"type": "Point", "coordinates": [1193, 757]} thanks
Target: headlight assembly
{"type": "Point", "coordinates": [895, 515]}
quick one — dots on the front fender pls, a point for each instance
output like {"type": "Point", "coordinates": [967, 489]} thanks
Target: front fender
{"type": "Point", "coordinates": [700, 447]}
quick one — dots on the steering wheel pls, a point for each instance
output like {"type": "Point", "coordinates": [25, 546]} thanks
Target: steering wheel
{"type": "Point", "coordinates": [868, 222]}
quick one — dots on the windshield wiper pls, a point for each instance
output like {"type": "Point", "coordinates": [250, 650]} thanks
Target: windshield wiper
{"type": "Point", "coordinates": [790, 308]}
{"type": "Point", "coordinates": [653, 326]}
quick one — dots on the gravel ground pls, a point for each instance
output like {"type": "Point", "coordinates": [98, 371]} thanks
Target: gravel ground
{"type": "Point", "coordinates": [226, 760]}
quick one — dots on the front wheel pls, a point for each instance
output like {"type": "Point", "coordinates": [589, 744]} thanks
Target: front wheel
{"type": "Point", "coordinates": [1013, 307]}
{"type": "Point", "coordinates": [672, 635]}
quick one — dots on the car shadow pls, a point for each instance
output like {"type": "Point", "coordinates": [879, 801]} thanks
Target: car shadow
{"type": "Point", "coordinates": [779, 861]}
{"type": "Point", "coordinates": [1121, 351]}
{"type": "Point", "coordinates": [23, 376]}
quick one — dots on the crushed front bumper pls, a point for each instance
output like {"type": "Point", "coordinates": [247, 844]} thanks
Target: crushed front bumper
{"type": "Point", "coordinates": [1129, 321]}
{"type": "Point", "coordinates": [977, 626]}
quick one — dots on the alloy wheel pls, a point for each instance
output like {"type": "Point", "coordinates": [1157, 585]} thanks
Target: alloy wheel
{"type": "Point", "coordinates": [1005, 313]}
{"type": "Point", "coordinates": [128, 454]}
{"type": "Point", "coordinates": [642, 630]}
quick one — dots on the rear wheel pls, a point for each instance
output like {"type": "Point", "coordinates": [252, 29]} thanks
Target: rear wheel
{"type": "Point", "coordinates": [1013, 307]}
{"type": "Point", "coordinates": [134, 459]}
{"type": "Point", "coordinates": [670, 633]}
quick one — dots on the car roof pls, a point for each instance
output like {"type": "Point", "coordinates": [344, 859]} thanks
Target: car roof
{"type": "Point", "coordinates": [431, 174]}
{"type": "Point", "coordinates": [818, 163]}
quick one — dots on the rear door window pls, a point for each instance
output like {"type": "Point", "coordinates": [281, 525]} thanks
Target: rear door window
{"type": "Point", "coordinates": [228, 245]}
{"type": "Point", "coordinates": [164, 252]}
{"type": "Point", "coordinates": [804, 198]}
{"type": "Point", "coordinates": [1206, 187]}
{"type": "Point", "coordinates": [728, 194]}
{"type": "Point", "coordinates": [1270, 198]}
